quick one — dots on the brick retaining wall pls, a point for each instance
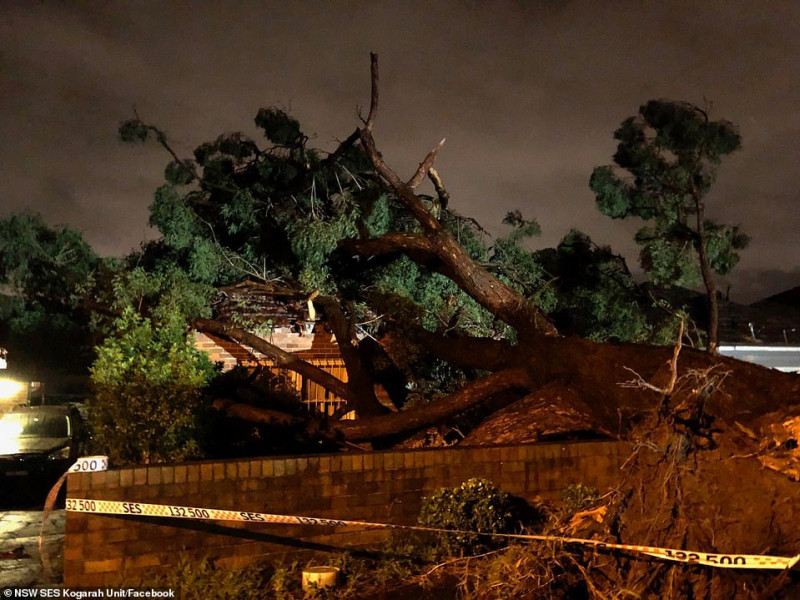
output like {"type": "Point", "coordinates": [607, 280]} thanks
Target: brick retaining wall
{"type": "Point", "coordinates": [376, 486]}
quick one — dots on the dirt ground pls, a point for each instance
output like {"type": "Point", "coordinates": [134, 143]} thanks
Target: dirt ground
{"type": "Point", "coordinates": [715, 467]}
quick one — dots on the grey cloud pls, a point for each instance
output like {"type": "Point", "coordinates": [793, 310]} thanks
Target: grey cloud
{"type": "Point", "coordinates": [528, 95]}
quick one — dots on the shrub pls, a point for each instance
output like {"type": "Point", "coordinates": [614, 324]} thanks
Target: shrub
{"type": "Point", "coordinates": [148, 382]}
{"type": "Point", "coordinates": [199, 580]}
{"type": "Point", "coordinates": [475, 505]}
{"type": "Point", "coordinates": [578, 496]}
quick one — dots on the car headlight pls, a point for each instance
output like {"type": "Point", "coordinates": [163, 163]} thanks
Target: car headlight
{"type": "Point", "coordinates": [60, 454]}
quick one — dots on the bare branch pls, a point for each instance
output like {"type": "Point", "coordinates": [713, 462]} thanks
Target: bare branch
{"type": "Point", "coordinates": [669, 388]}
{"type": "Point", "coordinates": [486, 289]}
{"type": "Point", "coordinates": [373, 105]}
{"type": "Point", "coordinates": [425, 166]}
{"type": "Point", "coordinates": [444, 196]}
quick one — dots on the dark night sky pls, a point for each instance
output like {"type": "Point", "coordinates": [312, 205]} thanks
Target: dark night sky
{"type": "Point", "coordinates": [527, 95]}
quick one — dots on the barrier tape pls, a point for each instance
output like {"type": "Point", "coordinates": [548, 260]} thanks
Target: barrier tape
{"type": "Point", "coordinates": [117, 507]}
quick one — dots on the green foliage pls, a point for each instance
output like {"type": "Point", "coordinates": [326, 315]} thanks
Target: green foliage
{"type": "Point", "coordinates": [669, 260]}
{"type": "Point", "coordinates": [578, 496]}
{"type": "Point", "coordinates": [723, 244]}
{"type": "Point", "coordinates": [279, 128]}
{"type": "Point", "coordinates": [148, 377]}
{"type": "Point", "coordinates": [595, 295]}
{"type": "Point", "coordinates": [284, 212]}
{"type": "Point", "coordinates": [43, 264]}
{"type": "Point", "coordinates": [200, 580]}
{"type": "Point", "coordinates": [667, 160]}
{"type": "Point", "coordinates": [475, 505]}
{"type": "Point", "coordinates": [522, 228]}
{"type": "Point", "coordinates": [44, 269]}
{"type": "Point", "coordinates": [134, 131]}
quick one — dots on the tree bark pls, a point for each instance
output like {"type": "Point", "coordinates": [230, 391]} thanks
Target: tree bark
{"type": "Point", "coordinates": [487, 290]}
{"type": "Point", "coordinates": [708, 282]}
{"type": "Point", "coordinates": [468, 352]}
{"type": "Point", "coordinates": [360, 383]}
{"type": "Point", "coordinates": [417, 418]}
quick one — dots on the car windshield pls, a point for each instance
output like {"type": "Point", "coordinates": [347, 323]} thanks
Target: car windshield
{"type": "Point", "coordinates": [33, 425]}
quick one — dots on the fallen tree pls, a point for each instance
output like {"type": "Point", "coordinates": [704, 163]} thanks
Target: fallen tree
{"type": "Point", "coordinates": [414, 294]}
{"type": "Point", "coordinates": [535, 359]}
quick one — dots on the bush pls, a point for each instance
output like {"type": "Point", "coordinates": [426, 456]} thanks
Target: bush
{"type": "Point", "coordinates": [577, 496]}
{"type": "Point", "coordinates": [148, 381]}
{"type": "Point", "coordinates": [475, 505]}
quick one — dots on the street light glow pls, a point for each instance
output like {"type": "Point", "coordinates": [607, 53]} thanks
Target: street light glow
{"type": "Point", "coordinates": [10, 388]}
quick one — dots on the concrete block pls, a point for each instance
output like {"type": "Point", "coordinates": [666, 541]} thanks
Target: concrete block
{"type": "Point", "coordinates": [358, 462]}
{"type": "Point", "coordinates": [141, 561]}
{"type": "Point", "coordinates": [325, 464]}
{"type": "Point", "coordinates": [112, 479]}
{"type": "Point", "coordinates": [125, 477]}
{"type": "Point", "coordinates": [110, 565]}
{"type": "Point", "coordinates": [167, 474]}
{"type": "Point", "coordinates": [336, 463]}
{"type": "Point", "coordinates": [181, 474]}
{"type": "Point", "coordinates": [140, 476]}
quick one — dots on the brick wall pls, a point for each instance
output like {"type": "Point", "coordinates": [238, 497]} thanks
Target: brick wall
{"type": "Point", "coordinates": [376, 486]}
{"type": "Point", "coordinates": [318, 345]}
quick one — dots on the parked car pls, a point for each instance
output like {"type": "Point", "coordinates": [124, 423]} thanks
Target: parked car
{"type": "Point", "coordinates": [37, 444]}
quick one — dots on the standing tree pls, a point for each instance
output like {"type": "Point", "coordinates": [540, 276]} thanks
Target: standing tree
{"type": "Point", "coordinates": [667, 160]}
{"type": "Point", "coordinates": [43, 275]}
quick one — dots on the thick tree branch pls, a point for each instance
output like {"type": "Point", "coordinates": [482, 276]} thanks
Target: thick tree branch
{"type": "Point", "coordinates": [469, 352]}
{"type": "Point", "coordinates": [361, 397]}
{"type": "Point", "coordinates": [423, 416]}
{"type": "Point", "coordinates": [254, 414]}
{"type": "Point", "coordinates": [391, 243]}
{"type": "Point", "coordinates": [283, 359]}
{"type": "Point", "coordinates": [491, 293]}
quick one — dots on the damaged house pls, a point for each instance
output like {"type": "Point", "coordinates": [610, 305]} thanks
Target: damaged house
{"type": "Point", "coordinates": [286, 318]}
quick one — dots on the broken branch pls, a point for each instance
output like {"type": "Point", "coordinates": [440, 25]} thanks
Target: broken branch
{"type": "Point", "coordinates": [425, 166]}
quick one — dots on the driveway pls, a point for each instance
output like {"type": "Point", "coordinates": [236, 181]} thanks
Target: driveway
{"type": "Point", "coordinates": [20, 562]}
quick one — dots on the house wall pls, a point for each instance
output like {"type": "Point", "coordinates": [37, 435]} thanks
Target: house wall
{"type": "Point", "coordinates": [318, 348]}
{"type": "Point", "coordinates": [375, 486]}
